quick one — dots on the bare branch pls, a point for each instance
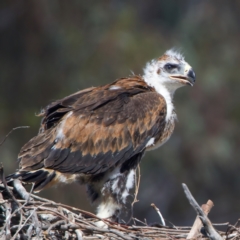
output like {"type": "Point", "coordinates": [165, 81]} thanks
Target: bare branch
{"type": "Point", "coordinates": [209, 229]}
{"type": "Point", "coordinates": [21, 190]}
{"type": "Point", "coordinates": [3, 180]}
{"type": "Point", "coordinates": [8, 220]}
{"type": "Point", "coordinates": [195, 231]}
{"type": "Point", "coordinates": [40, 218]}
{"type": "Point", "coordinates": [159, 213]}
{"type": "Point", "coordinates": [79, 234]}
{"type": "Point", "coordinates": [26, 196]}
{"type": "Point", "coordinates": [137, 185]}
{"type": "Point", "coordinates": [11, 132]}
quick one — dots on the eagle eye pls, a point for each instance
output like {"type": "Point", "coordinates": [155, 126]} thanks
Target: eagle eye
{"type": "Point", "coordinates": [170, 66]}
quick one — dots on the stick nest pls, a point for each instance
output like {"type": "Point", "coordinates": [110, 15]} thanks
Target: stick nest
{"type": "Point", "coordinates": [24, 215]}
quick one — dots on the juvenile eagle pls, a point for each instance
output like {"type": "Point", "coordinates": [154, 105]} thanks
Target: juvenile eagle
{"type": "Point", "coordinates": [98, 136]}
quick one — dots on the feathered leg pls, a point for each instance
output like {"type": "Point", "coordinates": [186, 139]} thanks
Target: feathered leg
{"type": "Point", "coordinates": [112, 193]}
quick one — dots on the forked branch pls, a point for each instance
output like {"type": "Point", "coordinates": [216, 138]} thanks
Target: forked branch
{"type": "Point", "coordinates": [208, 227]}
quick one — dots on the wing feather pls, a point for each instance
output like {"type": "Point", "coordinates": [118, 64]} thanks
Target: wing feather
{"type": "Point", "coordinates": [96, 129]}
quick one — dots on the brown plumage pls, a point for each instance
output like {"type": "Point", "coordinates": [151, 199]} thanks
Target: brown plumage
{"type": "Point", "coordinates": [98, 135]}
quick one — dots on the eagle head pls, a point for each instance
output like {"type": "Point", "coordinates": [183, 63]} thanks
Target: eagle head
{"type": "Point", "coordinates": [170, 71]}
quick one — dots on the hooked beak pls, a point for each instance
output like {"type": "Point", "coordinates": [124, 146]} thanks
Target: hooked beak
{"type": "Point", "coordinates": [188, 78]}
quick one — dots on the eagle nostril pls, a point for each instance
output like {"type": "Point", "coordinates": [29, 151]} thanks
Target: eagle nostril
{"type": "Point", "coordinates": [191, 74]}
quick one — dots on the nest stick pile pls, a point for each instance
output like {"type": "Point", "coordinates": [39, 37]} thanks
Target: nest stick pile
{"type": "Point", "coordinates": [24, 215]}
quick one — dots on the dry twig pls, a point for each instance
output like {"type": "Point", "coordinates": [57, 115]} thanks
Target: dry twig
{"type": "Point", "coordinates": [209, 229]}
{"type": "Point", "coordinates": [11, 132]}
{"type": "Point", "coordinates": [159, 213]}
{"type": "Point", "coordinates": [137, 185]}
{"type": "Point", "coordinates": [40, 218]}
{"type": "Point", "coordinates": [195, 231]}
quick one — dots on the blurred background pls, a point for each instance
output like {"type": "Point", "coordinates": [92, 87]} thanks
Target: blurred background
{"type": "Point", "coordinates": [50, 49]}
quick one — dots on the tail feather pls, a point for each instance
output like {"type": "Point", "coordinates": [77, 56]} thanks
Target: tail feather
{"type": "Point", "coordinates": [34, 177]}
{"type": "Point", "coordinates": [41, 178]}
{"type": "Point", "coordinates": [42, 184]}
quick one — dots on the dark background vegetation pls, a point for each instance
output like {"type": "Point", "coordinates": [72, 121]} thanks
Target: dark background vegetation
{"type": "Point", "coordinates": [50, 49]}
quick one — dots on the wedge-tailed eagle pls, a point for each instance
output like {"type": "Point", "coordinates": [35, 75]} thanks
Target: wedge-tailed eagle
{"type": "Point", "coordinates": [98, 136]}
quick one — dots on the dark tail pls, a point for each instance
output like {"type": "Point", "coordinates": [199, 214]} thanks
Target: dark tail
{"type": "Point", "coordinates": [40, 178]}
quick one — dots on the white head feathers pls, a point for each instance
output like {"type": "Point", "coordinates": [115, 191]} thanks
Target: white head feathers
{"type": "Point", "coordinates": [169, 54]}
{"type": "Point", "coordinates": [175, 54]}
{"type": "Point", "coordinates": [166, 74]}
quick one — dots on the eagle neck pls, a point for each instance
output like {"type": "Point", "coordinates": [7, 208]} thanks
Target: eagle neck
{"type": "Point", "coordinates": [166, 93]}
{"type": "Point", "coordinates": [168, 96]}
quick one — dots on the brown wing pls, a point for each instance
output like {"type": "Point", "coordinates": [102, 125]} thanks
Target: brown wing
{"type": "Point", "coordinates": [96, 129]}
